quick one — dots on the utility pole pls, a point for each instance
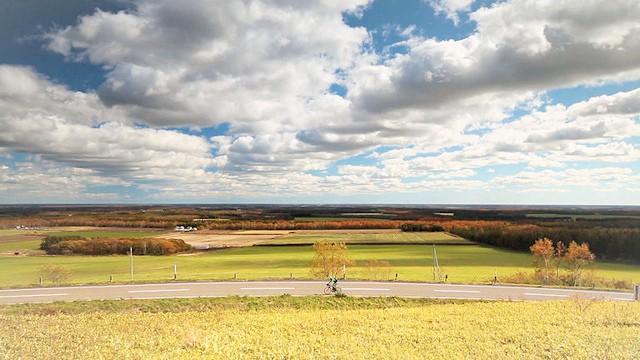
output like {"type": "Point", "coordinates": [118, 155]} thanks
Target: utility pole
{"type": "Point", "coordinates": [436, 265]}
{"type": "Point", "coordinates": [131, 262]}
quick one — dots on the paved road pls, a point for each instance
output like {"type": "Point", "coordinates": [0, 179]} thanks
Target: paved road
{"type": "Point", "coordinates": [266, 288]}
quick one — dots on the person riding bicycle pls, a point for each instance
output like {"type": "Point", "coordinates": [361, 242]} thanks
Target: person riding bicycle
{"type": "Point", "coordinates": [333, 282]}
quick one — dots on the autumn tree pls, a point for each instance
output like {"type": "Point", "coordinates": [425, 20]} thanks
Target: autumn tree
{"type": "Point", "coordinates": [543, 253]}
{"type": "Point", "coordinates": [577, 258]}
{"type": "Point", "coordinates": [560, 251]}
{"type": "Point", "coordinates": [329, 258]}
{"type": "Point", "coordinates": [54, 273]}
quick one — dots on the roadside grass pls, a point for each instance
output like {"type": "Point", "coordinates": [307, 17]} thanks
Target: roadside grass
{"type": "Point", "coordinates": [226, 303]}
{"type": "Point", "coordinates": [321, 328]}
{"type": "Point", "coordinates": [462, 264]}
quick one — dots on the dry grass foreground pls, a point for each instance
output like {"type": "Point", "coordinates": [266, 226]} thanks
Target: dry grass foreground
{"type": "Point", "coordinates": [321, 328]}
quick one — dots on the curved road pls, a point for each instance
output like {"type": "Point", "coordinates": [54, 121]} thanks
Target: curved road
{"type": "Point", "coordinates": [266, 288]}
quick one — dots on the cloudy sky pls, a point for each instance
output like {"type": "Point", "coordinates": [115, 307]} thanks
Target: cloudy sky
{"type": "Point", "coordinates": [320, 101]}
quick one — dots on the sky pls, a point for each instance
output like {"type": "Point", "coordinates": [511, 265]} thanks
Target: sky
{"type": "Point", "coordinates": [320, 101]}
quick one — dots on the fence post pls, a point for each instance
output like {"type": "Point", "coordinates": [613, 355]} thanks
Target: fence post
{"type": "Point", "coordinates": [637, 292]}
{"type": "Point", "coordinates": [110, 278]}
{"type": "Point", "coordinates": [40, 280]}
{"type": "Point", "coordinates": [235, 276]}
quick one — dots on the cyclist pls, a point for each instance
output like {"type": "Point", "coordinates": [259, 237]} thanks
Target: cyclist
{"type": "Point", "coordinates": [333, 282]}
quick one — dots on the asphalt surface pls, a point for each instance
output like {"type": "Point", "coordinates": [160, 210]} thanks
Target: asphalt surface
{"type": "Point", "coordinates": [299, 288]}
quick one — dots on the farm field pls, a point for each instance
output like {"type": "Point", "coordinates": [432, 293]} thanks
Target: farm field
{"type": "Point", "coordinates": [297, 328]}
{"type": "Point", "coordinates": [222, 239]}
{"type": "Point", "coordinates": [108, 233]}
{"type": "Point", "coordinates": [462, 264]}
{"type": "Point", "coordinates": [28, 241]}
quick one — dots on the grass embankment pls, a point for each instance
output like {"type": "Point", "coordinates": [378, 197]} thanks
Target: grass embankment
{"type": "Point", "coordinates": [470, 264]}
{"type": "Point", "coordinates": [321, 328]}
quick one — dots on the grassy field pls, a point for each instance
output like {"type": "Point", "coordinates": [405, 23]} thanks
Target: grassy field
{"type": "Point", "coordinates": [225, 239]}
{"type": "Point", "coordinates": [321, 328]}
{"type": "Point", "coordinates": [471, 264]}
{"type": "Point", "coordinates": [382, 237]}
{"type": "Point", "coordinates": [108, 233]}
{"type": "Point", "coordinates": [28, 241]}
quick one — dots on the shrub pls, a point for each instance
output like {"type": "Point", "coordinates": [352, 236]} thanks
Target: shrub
{"type": "Point", "coordinates": [54, 273]}
{"type": "Point", "coordinates": [51, 240]}
{"type": "Point", "coordinates": [417, 227]}
{"type": "Point", "coordinates": [378, 269]}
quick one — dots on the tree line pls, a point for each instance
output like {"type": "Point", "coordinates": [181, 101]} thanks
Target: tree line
{"type": "Point", "coordinates": [608, 243]}
{"type": "Point", "coordinates": [64, 245]}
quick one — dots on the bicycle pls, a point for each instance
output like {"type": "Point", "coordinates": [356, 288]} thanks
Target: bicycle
{"type": "Point", "coordinates": [328, 290]}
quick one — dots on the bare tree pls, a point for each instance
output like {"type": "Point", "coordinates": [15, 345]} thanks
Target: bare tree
{"type": "Point", "coordinates": [55, 273]}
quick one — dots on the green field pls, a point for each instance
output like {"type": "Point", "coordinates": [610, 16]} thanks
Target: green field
{"type": "Point", "coordinates": [28, 241]}
{"type": "Point", "coordinates": [370, 238]}
{"type": "Point", "coordinates": [320, 328]}
{"type": "Point", "coordinates": [470, 264]}
{"type": "Point", "coordinates": [19, 245]}
{"type": "Point", "coordinates": [108, 233]}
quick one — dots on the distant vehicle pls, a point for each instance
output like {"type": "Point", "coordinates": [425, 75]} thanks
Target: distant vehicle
{"type": "Point", "coordinates": [186, 228]}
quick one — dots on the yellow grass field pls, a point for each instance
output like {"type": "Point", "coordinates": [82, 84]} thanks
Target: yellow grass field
{"type": "Point", "coordinates": [324, 328]}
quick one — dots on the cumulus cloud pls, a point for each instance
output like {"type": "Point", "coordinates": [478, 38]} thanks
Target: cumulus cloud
{"type": "Point", "coordinates": [444, 108]}
{"type": "Point", "coordinates": [451, 8]}
{"type": "Point", "coordinates": [39, 117]}
{"type": "Point", "coordinates": [520, 46]}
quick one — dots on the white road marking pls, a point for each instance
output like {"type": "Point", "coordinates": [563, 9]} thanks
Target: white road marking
{"type": "Point", "coordinates": [156, 291]}
{"type": "Point", "coordinates": [623, 299]}
{"type": "Point", "coordinates": [366, 289]}
{"type": "Point", "coordinates": [31, 295]}
{"type": "Point", "coordinates": [458, 291]}
{"type": "Point", "coordinates": [267, 288]}
{"type": "Point", "coordinates": [541, 294]}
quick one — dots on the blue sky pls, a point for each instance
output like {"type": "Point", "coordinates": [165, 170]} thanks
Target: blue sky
{"type": "Point", "coordinates": [384, 101]}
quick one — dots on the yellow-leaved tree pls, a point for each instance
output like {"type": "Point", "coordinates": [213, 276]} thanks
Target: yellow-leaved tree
{"type": "Point", "coordinates": [543, 253]}
{"type": "Point", "coordinates": [329, 258]}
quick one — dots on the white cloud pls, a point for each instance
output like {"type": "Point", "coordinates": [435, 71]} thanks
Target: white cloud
{"type": "Point", "coordinates": [451, 8]}
{"type": "Point", "coordinates": [39, 117]}
{"type": "Point", "coordinates": [265, 67]}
